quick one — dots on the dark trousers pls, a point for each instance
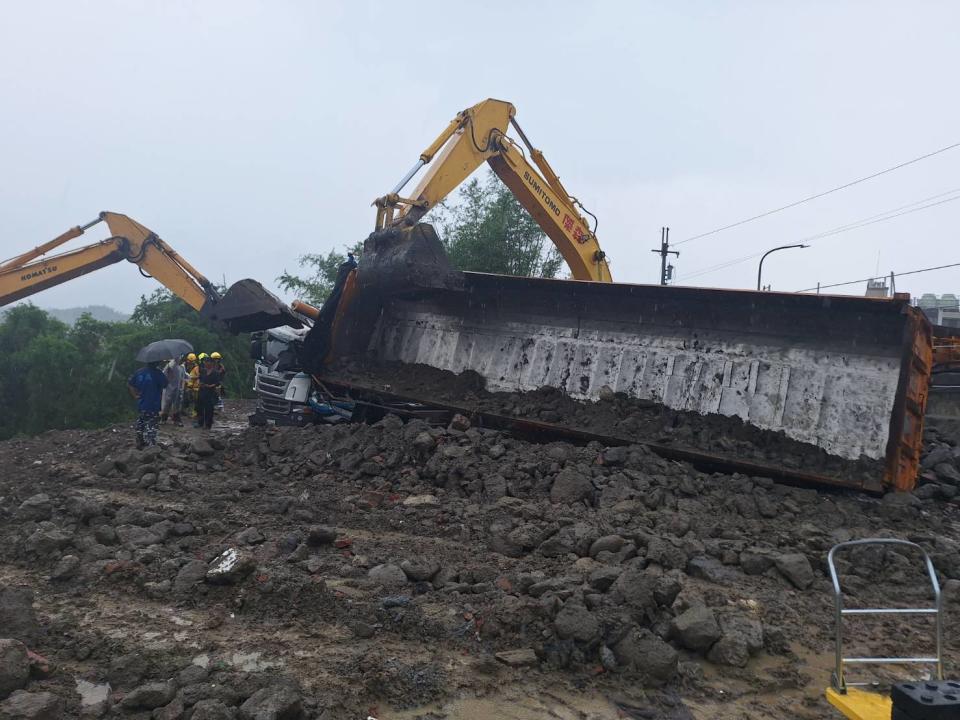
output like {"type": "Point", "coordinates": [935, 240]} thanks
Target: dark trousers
{"type": "Point", "coordinates": [205, 402]}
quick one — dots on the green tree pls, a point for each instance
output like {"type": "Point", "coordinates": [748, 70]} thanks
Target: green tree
{"type": "Point", "coordinates": [322, 274]}
{"type": "Point", "coordinates": [487, 230]}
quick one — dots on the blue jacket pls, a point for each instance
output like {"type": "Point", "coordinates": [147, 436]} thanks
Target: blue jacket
{"type": "Point", "coordinates": [149, 382]}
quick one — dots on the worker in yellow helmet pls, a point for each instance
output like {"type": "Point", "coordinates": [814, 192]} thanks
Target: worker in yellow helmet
{"type": "Point", "coordinates": [222, 369]}
{"type": "Point", "coordinates": [190, 384]}
{"type": "Point", "coordinates": [193, 382]}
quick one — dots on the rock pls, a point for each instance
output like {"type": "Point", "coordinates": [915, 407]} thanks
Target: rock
{"type": "Point", "coordinates": [575, 622]}
{"type": "Point", "coordinates": [947, 473]}
{"type": "Point", "coordinates": [17, 619]}
{"type": "Point", "coordinates": [665, 553]}
{"type": "Point", "coordinates": [460, 422]}
{"type": "Point", "coordinates": [796, 568]}
{"type": "Point", "coordinates": [135, 536]}
{"type": "Point", "coordinates": [608, 659]}
{"type": "Point", "coordinates": [387, 575]}
{"type": "Point", "coordinates": [149, 696]}
{"type": "Point", "coordinates": [650, 655]}
{"type": "Point", "coordinates": [696, 629]}
{"type": "Point", "coordinates": [171, 711]}
{"type": "Point", "coordinates": [897, 501]}
{"type": "Point", "coordinates": [211, 710]}
{"type": "Point", "coordinates": [742, 637]}
{"type": "Point", "coordinates": [424, 443]}
{"type": "Point", "coordinates": [517, 658]}
{"type": "Point", "coordinates": [44, 542]}
{"type": "Point", "coordinates": [189, 575]}
{"type": "Point", "coordinates": [501, 541]}
{"type": "Point", "coordinates": [200, 446]}
{"type": "Point", "coordinates": [634, 588]}
{"type": "Point", "coordinates": [127, 670]}
{"type": "Point", "coordinates": [495, 486]}
{"type": "Point", "coordinates": [574, 538]}
{"type": "Point", "coordinates": [36, 507]}
{"type": "Point", "coordinates": [419, 569]}
{"type": "Point", "coordinates": [321, 535]}
{"type": "Point", "coordinates": [65, 568]}
{"type": "Point", "coordinates": [421, 501]}
{"type": "Point", "coordinates": [614, 455]}
{"type": "Point", "coordinates": [930, 491]}
{"type": "Point", "coordinates": [250, 536]}
{"type": "Point", "coordinates": [604, 577]}
{"type": "Point", "coordinates": [729, 651]}
{"type": "Point", "coordinates": [938, 455]}
{"type": "Point", "coordinates": [710, 569]}
{"type": "Point", "coordinates": [570, 486]}
{"type": "Point", "coordinates": [278, 702]}
{"type": "Point", "coordinates": [104, 467]}
{"type": "Point", "coordinates": [105, 535]}
{"type": "Point", "coordinates": [83, 508]}
{"type": "Point", "coordinates": [14, 666]}
{"type": "Point", "coordinates": [231, 566]}
{"type": "Point", "coordinates": [23, 705]}
{"type": "Point", "coordinates": [753, 562]}
{"type": "Point", "coordinates": [666, 590]}
{"type": "Point", "coordinates": [608, 543]}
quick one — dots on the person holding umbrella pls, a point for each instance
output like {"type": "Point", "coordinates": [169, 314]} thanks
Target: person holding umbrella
{"type": "Point", "coordinates": [147, 385]}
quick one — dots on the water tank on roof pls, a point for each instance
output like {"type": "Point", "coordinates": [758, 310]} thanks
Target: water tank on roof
{"type": "Point", "coordinates": [948, 301]}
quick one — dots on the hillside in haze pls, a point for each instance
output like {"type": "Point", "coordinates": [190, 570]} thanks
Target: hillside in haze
{"type": "Point", "coordinates": [99, 312]}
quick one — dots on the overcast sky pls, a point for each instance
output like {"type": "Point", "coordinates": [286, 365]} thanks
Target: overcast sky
{"type": "Point", "coordinates": [246, 133]}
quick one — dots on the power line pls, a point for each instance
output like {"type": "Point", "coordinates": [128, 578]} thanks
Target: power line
{"type": "Point", "coordinates": [896, 274]}
{"type": "Point", "coordinates": [821, 194]}
{"type": "Point", "coordinates": [855, 225]}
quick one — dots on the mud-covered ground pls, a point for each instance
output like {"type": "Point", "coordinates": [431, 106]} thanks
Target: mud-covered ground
{"type": "Point", "coordinates": [404, 571]}
{"type": "Point", "coordinates": [615, 415]}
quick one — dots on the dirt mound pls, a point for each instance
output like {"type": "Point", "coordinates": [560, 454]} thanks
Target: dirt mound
{"type": "Point", "coordinates": [616, 415]}
{"type": "Point", "coordinates": [388, 569]}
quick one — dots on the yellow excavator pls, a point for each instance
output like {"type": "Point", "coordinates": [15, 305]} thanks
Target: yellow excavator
{"type": "Point", "coordinates": [479, 134]}
{"type": "Point", "coordinates": [246, 306]}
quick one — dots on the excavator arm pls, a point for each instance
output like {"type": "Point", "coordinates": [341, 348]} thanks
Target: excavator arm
{"type": "Point", "coordinates": [478, 135]}
{"type": "Point", "coordinates": [246, 306]}
{"type": "Point", "coordinates": [31, 272]}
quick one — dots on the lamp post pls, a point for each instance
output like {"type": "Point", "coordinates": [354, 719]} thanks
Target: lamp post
{"type": "Point", "coordinates": [782, 247]}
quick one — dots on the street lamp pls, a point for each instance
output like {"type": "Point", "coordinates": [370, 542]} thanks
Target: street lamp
{"type": "Point", "coordinates": [782, 247]}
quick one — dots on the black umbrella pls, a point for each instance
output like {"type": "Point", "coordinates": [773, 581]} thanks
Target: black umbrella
{"type": "Point", "coordinates": [164, 350]}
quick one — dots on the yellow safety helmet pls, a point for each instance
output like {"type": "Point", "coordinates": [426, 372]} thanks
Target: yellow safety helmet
{"type": "Point", "coordinates": [202, 356]}
{"type": "Point", "coordinates": [215, 355]}
{"type": "Point", "coordinates": [191, 357]}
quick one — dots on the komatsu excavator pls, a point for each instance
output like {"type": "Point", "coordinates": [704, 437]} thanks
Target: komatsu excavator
{"type": "Point", "coordinates": [245, 307]}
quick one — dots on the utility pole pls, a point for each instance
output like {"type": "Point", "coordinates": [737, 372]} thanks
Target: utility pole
{"type": "Point", "coordinates": [663, 252]}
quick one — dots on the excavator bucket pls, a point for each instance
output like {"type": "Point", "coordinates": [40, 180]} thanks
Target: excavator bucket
{"type": "Point", "coordinates": [248, 307]}
{"type": "Point", "coordinates": [845, 375]}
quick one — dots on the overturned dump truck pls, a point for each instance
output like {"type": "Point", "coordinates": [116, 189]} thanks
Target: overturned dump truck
{"type": "Point", "coordinates": [845, 375]}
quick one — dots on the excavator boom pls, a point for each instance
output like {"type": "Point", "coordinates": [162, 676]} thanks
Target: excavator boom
{"type": "Point", "coordinates": [245, 307]}
{"type": "Point", "coordinates": [478, 135]}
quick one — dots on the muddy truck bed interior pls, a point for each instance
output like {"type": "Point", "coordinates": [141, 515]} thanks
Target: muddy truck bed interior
{"type": "Point", "coordinates": [847, 375]}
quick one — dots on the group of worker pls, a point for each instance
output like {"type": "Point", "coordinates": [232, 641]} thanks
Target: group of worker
{"type": "Point", "coordinates": [191, 384]}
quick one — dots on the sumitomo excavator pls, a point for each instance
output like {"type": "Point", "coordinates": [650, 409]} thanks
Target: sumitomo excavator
{"type": "Point", "coordinates": [246, 306]}
{"type": "Point", "coordinates": [847, 375]}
